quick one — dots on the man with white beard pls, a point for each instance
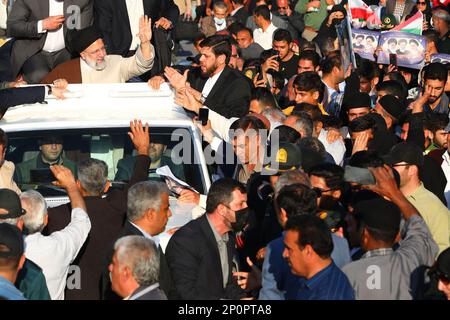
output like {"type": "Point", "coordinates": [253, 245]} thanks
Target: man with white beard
{"type": "Point", "coordinates": [95, 66]}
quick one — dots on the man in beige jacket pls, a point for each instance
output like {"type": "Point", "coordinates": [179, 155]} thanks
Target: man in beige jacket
{"type": "Point", "coordinates": [6, 167]}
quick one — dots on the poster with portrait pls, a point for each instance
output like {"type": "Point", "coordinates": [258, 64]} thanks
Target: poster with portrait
{"type": "Point", "coordinates": [440, 57]}
{"type": "Point", "coordinates": [365, 43]}
{"type": "Point", "coordinates": [344, 34]}
{"type": "Point", "coordinates": [408, 47]}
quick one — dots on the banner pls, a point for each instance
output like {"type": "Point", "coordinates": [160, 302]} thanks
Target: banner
{"type": "Point", "coordinates": [343, 31]}
{"type": "Point", "coordinates": [365, 43]}
{"type": "Point", "coordinates": [440, 57]}
{"type": "Point", "coordinates": [409, 48]}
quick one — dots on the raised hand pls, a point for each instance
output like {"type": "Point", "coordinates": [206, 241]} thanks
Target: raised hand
{"type": "Point", "coordinates": [140, 137]}
{"type": "Point", "coordinates": [145, 29]}
{"type": "Point", "coordinates": [163, 23]}
{"type": "Point", "coordinates": [176, 80]}
{"type": "Point", "coordinates": [53, 22]}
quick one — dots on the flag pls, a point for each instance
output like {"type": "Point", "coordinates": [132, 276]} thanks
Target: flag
{"type": "Point", "coordinates": [359, 10]}
{"type": "Point", "coordinates": [412, 25]}
{"type": "Point", "coordinates": [363, 13]}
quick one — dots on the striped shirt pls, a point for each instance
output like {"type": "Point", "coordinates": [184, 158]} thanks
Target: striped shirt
{"type": "Point", "coordinates": [328, 284]}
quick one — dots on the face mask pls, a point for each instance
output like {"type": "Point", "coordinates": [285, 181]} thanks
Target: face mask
{"type": "Point", "coordinates": [336, 21]}
{"type": "Point", "coordinates": [241, 220]}
{"type": "Point", "coordinates": [219, 21]}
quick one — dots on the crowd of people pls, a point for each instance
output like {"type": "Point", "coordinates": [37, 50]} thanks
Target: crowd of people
{"type": "Point", "coordinates": [340, 191]}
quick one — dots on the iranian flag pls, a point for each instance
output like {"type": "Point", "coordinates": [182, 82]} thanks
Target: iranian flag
{"type": "Point", "coordinates": [412, 25]}
{"type": "Point", "coordinates": [359, 10]}
{"type": "Point", "coordinates": [362, 12]}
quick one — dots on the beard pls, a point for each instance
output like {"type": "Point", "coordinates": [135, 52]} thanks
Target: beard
{"type": "Point", "coordinates": [209, 71]}
{"type": "Point", "coordinates": [98, 66]}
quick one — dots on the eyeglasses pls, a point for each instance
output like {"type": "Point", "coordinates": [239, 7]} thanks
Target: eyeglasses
{"type": "Point", "coordinates": [444, 278]}
{"type": "Point", "coordinates": [400, 165]}
{"type": "Point", "coordinates": [421, 3]}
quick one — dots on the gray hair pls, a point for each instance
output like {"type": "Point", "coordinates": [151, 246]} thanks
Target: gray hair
{"type": "Point", "coordinates": [291, 177]}
{"type": "Point", "coordinates": [93, 176]}
{"type": "Point", "coordinates": [304, 124]}
{"type": "Point", "coordinates": [141, 256]}
{"type": "Point", "coordinates": [220, 5]}
{"type": "Point", "coordinates": [274, 115]}
{"type": "Point", "coordinates": [36, 207]}
{"type": "Point", "coordinates": [144, 196]}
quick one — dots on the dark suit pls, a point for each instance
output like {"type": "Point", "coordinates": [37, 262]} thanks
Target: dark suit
{"type": "Point", "coordinates": [22, 25]}
{"type": "Point", "coordinates": [111, 18]}
{"type": "Point", "coordinates": [194, 261]}
{"type": "Point", "coordinates": [17, 96]}
{"type": "Point", "coordinates": [241, 16]}
{"type": "Point", "coordinates": [230, 96]}
{"type": "Point", "coordinates": [107, 216]}
{"type": "Point", "coordinates": [165, 279]}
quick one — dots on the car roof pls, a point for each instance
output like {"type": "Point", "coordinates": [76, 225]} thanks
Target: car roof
{"type": "Point", "coordinates": [99, 106]}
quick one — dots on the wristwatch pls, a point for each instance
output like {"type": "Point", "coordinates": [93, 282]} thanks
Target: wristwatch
{"type": "Point", "coordinates": [202, 99]}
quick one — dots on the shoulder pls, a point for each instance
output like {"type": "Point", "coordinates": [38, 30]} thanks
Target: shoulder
{"type": "Point", "coordinates": [27, 164]}
{"type": "Point", "coordinates": [126, 162]}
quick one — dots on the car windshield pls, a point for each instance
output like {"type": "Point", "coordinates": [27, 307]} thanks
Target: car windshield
{"type": "Point", "coordinates": [32, 152]}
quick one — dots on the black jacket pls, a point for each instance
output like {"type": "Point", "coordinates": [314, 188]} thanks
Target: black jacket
{"type": "Point", "coordinates": [16, 96]}
{"type": "Point", "coordinates": [165, 279]}
{"type": "Point", "coordinates": [107, 217]}
{"type": "Point", "coordinates": [241, 16]}
{"type": "Point", "coordinates": [111, 18]}
{"type": "Point", "coordinates": [230, 95]}
{"type": "Point", "coordinates": [194, 262]}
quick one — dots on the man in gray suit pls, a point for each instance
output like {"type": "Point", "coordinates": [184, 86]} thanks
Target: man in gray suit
{"type": "Point", "coordinates": [40, 31]}
{"type": "Point", "coordinates": [134, 270]}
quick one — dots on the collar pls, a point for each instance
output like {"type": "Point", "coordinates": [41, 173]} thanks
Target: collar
{"type": "Point", "coordinates": [41, 164]}
{"type": "Point", "coordinates": [446, 157]}
{"type": "Point", "coordinates": [142, 291]}
{"type": "Point", "coordinates": [217, 236]}
{"type": "Point", "coordinates": [216, 76]}
{"type": "Point", "coordinates": [145, 234]}
{"type": "Point", "coordinates": [235, 10]}
{"type": "Point", "coordinates": [314, 282]}
{"type": "Point", "coordinates": [378, 252]}
{"type": "Point", "coordinates": [416, 192]}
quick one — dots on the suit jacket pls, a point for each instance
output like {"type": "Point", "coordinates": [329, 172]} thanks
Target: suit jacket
{"type": "Point", "coordinates": [22, 25]}
{"type": "Point", "coordinates": [17, 96]}
{"type": "Point", "coordinates": [165, 279]}
{"type": "Point", "coordinates": [241, 16]}
{"type": "Point", "coordinates": [155, 294]}
{"type": "Point", "coordinates": [230, 95]}
{"type": "Point", "coordinates": [111, 18]}
{"type": "Point", "coordinates": [107, 216]}
{"type": "Point", "coordinates": [194, 262]}
{"type": "Point", "coordinates": [409, 6]}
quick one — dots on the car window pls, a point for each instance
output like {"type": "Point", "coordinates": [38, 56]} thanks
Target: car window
{"type": "Point", "coordinates": [32, 151]}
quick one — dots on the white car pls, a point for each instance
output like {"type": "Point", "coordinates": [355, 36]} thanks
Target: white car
{"type": "Point", "coordinates": [94, 121]}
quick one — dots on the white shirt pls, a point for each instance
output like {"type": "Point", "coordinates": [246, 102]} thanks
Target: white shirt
{"type": "Point", "coordinates": [210, 83]}
{"type": "Point", "coordinates": [264, 38]}
{"type": "Point", "coordinates": [135, 10]}
{"type": "Point", "coordinates": [55, 253]}
{"type": "Point", "coordinates": [155, 239]}
{"type": "Point", "coordinates": [446, 168]}
{"type": "Point", "coordinates": [336, 149]}
{"type": "Point", "coordinates": [55, 38]}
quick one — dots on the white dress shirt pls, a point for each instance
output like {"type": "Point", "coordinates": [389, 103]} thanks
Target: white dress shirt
{"type": "Point", "coordinates": [336, 149]}
{"type": "Point", "coordinates": [55, 253]}
{"type": "Point", "coordinates": [264, 38]}
{"type": "Point", "coordinates": [135, 10]}
{"type": "Point", "coordinates": [446, 168]}
{"type": "Point", "coordinates": [155, 239]}
{"type": "Point", "coordinates": [210, 83]}
{"type": "Point", "coordinates": [55, 38]}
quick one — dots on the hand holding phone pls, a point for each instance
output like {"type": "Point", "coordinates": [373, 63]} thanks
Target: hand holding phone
{"type": "Point", "coordinates": [203, 116]}
{"type": "Point", "coordinates": [393, 59]}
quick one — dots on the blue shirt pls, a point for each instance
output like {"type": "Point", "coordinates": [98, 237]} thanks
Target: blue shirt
{"type": "Point", "coordinates": [9, 291]}
{"type": "Point", "coordinates": [328, 284]}
{"type": "Point", "coordinates": [278, 282]}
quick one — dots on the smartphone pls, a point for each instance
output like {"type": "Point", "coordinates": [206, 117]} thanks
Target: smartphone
{"type": "Point", "coordinates": [258, 71]}
{"type": "Point", "coordinates": [203, 115]}
{"type": "Point", "coordinates": [42, 175]}
{"type": "Point", "coordinates": [393, 59]}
